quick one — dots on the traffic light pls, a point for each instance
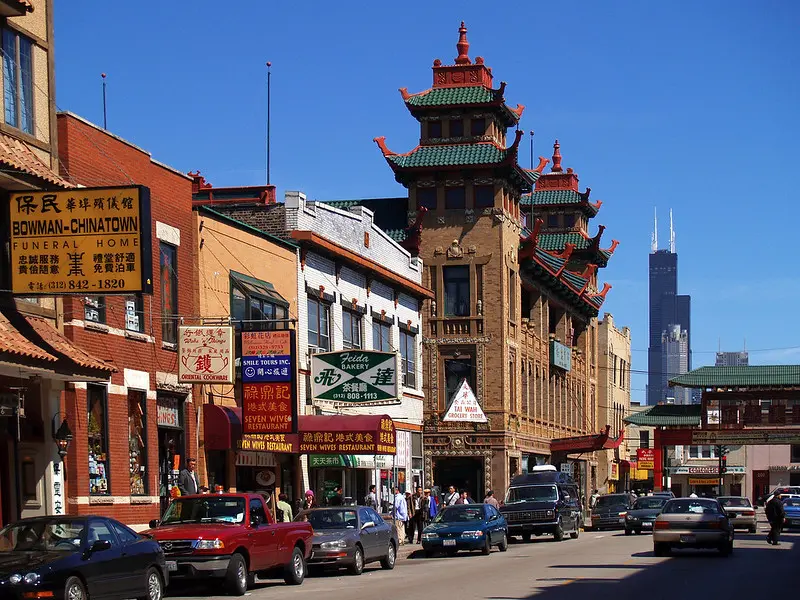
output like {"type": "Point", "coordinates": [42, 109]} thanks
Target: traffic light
{"type": "Point", "coordinates": [723, 464]}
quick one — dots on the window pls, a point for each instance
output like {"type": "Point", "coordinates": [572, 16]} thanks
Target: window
{"type": "Point", "coordinates": [256, 305]}
{"type": "Point", "coordinates": [426, 197]}
{"type": "Point", "coordinates": [134, 314]}
{"type": "Point", "coordinates": [318, 324]}
{"type": "Point", "coordinates": [455, 197]}
{"type": "Point", "coordinates": [569, 221]}
{"type": "Point", "coordinates": [257, 514]}
{"type": "Point", "coordinates": [512, 296]}
{"type": "Point", "coordinates": [380, 336]}
{"type": "Point", "coordinates": [456, 128]}
{"type": "Point", "coordinates": [434, 129]}
{"type": "Point", "coordinates": [457, 370]}
{"type": "Point", "coordinates": [456, 291]}
{"type": "Point", "coordinates": [552, 220]}
{"type": "Point", "coordinates": [125, 535]}
{"type": "Point", "coordinates": [644, 439]}
{"type": "Point", "coordinates": [169, 293]}
{"type": "Point", "coordinates": [484, 196]}
{"type": "Point", "coordinates": [98, 440]}
{"type": "Point", "coordinates": [18, 80]}
{"type": "Point", "coordinates": [94, 309]}
{"type": "Point", "coordinates": [99, 530]}
{"type": "Point", "coordinates": [351, 330]}
{"type": "Point", "coordinates": [408, 362]}
{"type": "Point", "coordinates": [702, 452]}
{"type": "Point", "coordinates": [137, 441]}
{"type": "Point", "coordinates": [477, 127]}
{"type": "Point", "coordinates": [795, 453]}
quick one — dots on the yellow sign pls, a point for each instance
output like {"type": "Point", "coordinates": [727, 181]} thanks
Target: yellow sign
{"type": "Point", "coordinates": [703, 480]}
{"type": "Point", "coordinates": [81, 241]}
{"type": "Point", "coordinates": [614, 474]}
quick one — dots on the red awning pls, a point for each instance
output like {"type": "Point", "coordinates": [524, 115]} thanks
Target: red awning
{"type": "Point", "coordinates": [587, 443]}
{"type": "Point", "coordinates": [318, 434]}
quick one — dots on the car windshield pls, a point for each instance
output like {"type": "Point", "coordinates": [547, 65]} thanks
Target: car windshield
{"type": "Point", "coordinates": [42, 536]}
{"type": "Point", "coordinates": [735, 502]}
{"type": "Point", "coordinates": [792, 502]}
{"type": "Point", "coordinates": [330, 519]}
{"type": "Point", "coordinates": [649, 503]}
{"type": "Point", "coordinates": [460, 514]}
{"type": "Point", "coordinates": [532, 492]}
{"type": "Point", "coordinates": [607, 501]}
{"type": "Point", "coordinates": [205, 509]}
{"type": "Point", "coordinates": [696, 506]}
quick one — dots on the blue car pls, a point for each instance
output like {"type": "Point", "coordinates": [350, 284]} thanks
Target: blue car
{"type": "Point", "coordinates": [466, 527]}
{"type": "Point", "coordinates": [791, 506]}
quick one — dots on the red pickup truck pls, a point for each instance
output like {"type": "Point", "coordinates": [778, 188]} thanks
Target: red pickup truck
{"type": "Point", "coordinates": [231, 536]}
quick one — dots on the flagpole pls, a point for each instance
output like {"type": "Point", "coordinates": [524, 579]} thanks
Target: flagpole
{"type": "Point", "coordinates": [269, 101]}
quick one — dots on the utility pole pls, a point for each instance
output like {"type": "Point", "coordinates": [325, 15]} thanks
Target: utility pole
{"type": "Point", "coordinates": [722, 455]}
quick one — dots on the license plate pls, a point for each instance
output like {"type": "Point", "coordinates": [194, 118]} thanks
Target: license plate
{"type": "Point", "coordinates": [172, 565]}
{"type": "Point", "coordinates": [448, 542]}
{"type": "Point", "coordinates": [647, 525]}
{"type": "Point", "coordinates": [687, 539]}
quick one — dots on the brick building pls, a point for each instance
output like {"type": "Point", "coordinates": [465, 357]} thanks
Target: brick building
{"type": "Point", "coordinates": [132, 434]}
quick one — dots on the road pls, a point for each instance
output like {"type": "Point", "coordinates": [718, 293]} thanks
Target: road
{"type": "Point", "coordinates": [597, 565]}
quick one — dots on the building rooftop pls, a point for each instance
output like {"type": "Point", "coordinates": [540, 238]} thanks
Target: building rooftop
{"type": "Point", "coordinates": [738, 377]}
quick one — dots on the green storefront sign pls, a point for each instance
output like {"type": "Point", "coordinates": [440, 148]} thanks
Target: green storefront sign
{"type": "Point", "coordinates": [560, 355]}
{"type": "Point", "coordinates": [332, 460]}
{"type": "Point", "coordinates": [355, 376]}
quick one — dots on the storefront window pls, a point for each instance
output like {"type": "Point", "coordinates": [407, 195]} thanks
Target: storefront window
{"type": "Point", "coordinates": [98, 440]}
{"type": "Point", "coordinates": [137, 441]}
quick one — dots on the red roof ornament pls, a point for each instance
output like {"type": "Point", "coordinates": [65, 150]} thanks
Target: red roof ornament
{"type": "Point", "coordinates": [556, 168]}
{"type": "Point", "coordinates": [462, 46]}
{"type": "Point", "coordinates": [614, 244]}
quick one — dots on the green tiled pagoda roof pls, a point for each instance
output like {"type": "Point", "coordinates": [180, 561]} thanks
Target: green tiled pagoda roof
{"type": "Point", "coordinates": [453, 96]}
{"type": "Point", "coordinates": [558, 198]}
{"type": "Point", "coordinates": [664, 415]}
{"type": "Point", "coordinates": [450, 155]}
{"type": "Point", "coordinates": [734, 377]}
{"type": "Point", "coordinates": [398, 235]}
{"type": "Point", "coordinates": [558, 241]}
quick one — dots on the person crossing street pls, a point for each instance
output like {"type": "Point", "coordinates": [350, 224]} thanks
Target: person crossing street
{"type": "Point", "coordinates": [775, 515]}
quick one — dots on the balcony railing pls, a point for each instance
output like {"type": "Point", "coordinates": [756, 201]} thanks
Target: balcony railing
{"type": "Point", "coordinates": [456, 326]}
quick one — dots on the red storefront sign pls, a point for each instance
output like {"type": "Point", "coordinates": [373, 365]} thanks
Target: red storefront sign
{"type": "Point", "coordinates": [268, 408]}
{"type": "Point", "coordinates": [646, 458]}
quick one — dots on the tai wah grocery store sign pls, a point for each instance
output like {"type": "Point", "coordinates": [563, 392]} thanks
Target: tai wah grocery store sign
{"type": "Point", "coordinates": [269, 400]}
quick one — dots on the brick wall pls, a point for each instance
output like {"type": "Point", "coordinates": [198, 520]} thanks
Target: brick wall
{"type": "Point", "coordinates": [93, 157]}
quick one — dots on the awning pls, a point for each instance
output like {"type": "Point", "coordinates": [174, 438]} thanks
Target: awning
{"type": "Point", "coordinates": [335, 434]}
{"type": "Point", "coordinates": [587, 443]}
{"type": "Point", "coordinates": [23, 166]}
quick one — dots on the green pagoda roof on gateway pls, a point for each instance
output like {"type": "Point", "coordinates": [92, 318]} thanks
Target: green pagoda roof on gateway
{"type": "Point", "coordinates": [757, 376]}
{"type": "Point", "coordinates": [667, 415]}
{"type": "Point", "coordinates": [463, 97]}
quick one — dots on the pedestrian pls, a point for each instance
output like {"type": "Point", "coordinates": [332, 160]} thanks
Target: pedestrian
{"type": "Point", "coordinates": [309, 502]}
{"type": "Point", "coordinates": [692, 495]}
{"type": "Point", "coordinates": [371, 498]}
{"type": "Point", "coordinates": [411, 517]}
{"type": "Point", "coordinates": [451, 497]}
{"type": "Point", "coordinates": [775, 515]}
{"type": "Point", "coordinates": [434, 506]}
{"type": "Point", "coordinates": [490, 499]}
{"type": "Point", "coordinates": [464, 498]}
{"type": "Point", "coordinates": [420, 510]}
{"type": "Point", "coordinates": [187, 479]}
{"type": "Point", "coordinates": [424, 513]}
{"type": "Point", "coordinates": [337, 499]}
{"type": "Point", "coordinates": [593, 499]}
{"type": "Point", "coordinates": [283, 509]}
{"type": "Point", "coordinates": [400, 515]}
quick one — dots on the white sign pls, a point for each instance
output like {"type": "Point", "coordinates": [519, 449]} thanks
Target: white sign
{"type": "Point", "coordinates": [58, 503]}
{"type": "Point", "coordinates": [255, 459]}
{"type": "Point", "coordinates": [167, 412]}
{"type": "Point", "coordinates": [464, 407]}
{"type": "Point", "coordinates": [566, 468]}
{"type": "Point", "coordinates": [205, 354]}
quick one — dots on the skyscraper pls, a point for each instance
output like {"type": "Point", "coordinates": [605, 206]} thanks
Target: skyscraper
{"type": "Point", "coordinates": [675, 360]}
{"type": "Point", "coordinates": [667, 309]}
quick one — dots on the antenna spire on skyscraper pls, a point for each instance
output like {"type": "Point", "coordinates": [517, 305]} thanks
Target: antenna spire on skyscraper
{"type": "Point", "coordinates": [671, 234]}
{"type": "Point", "coordinates": [654, 237]}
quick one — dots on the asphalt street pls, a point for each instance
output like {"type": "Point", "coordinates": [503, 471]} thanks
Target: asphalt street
{"type": "Point", "coordinates": [597, 565]}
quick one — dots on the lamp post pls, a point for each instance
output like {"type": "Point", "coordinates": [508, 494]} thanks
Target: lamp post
{"type": "Point", "coordinates": [62, 436]}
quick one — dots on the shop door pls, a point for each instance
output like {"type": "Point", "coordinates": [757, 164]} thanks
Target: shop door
{"type": "Point", "coordinates": [760, 485]}
{"type": "Point", "coordinates": [463, 473]}
{"type": "Point", "coordinates": [171, 452]}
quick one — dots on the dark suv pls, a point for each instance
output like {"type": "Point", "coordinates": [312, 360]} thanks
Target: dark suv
{"type": "Point", "coordinates": [610, 510]}
{"type": "Point", "coordinates": [543, 502]}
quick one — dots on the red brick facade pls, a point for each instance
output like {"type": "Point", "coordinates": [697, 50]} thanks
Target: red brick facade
{"type": "Point", "coordinates": [93, 157]}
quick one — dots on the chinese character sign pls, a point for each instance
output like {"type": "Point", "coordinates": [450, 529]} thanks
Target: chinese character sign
{"type": "Point", "coordinates": [205, 354]}
{"type": "Point", "coordinates": [646, 457]}
{"type": "Point", "coordinates": [380, 441]}
{"type": "Point", "coordinates": [356, 376]}
{"type": "Point", "coordinates": [269, 399]}
{"type": "Point", "coordinates": [81, 241]}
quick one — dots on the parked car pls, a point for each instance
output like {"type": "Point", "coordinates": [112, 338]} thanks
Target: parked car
{"type": "Point", "coordinates": [78, 558]}
{"type": "Point", "coordinates": [643, 513]}
{"type": "Point", "coordinates": [791, 507]}
{"type": "Point", "coordinates": [231, 536]}
{"type": "Point", "coordinates": [544, 501]}
{"type": "Point", "coordinates": [610, 510]}
{"type": "Point", "coordinates": [466, 527]}
{"type": "Point", "coordinates": [665, 493]}
{"type": "Point", "coordinates": [692, 523]}
{"type": "Point", "coordinates": [782, 490]}
{"type": "Point", "coordinates": [350, 537]}
{"type": "Point", "coordinates": [741, 513]}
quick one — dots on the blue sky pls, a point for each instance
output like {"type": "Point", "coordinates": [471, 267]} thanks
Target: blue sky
{"type": "Point", "coordinates": [684, 105]}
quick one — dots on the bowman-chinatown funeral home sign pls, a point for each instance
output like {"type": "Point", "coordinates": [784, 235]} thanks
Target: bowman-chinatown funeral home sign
{"type": "Point", "coordinates": [464, 407]}
{"type": "Point", "coordinates": [205, 354]}
{"type": "Point", "coordinates": [81, 241]}
{"type": "Point", "coordinates": [269, 399]}
{"type": "Point", "coordinates": [355, 377]}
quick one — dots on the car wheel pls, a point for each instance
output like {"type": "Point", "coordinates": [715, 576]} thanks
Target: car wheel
{"type": "Point", "coordinates": [526, 537]}
{"type": "Point", "coordinates": [236, 577]}
{"type": "Point", "coordinates": [503, 545]}
{"type": "Point", "coordinates": [660, 549]}
{"type": "Point", "coordinates": [155, 585]}
{"type": "Point", "coordinates": [74, 589]}
{"type": "Point", "coordinates": [638, 532]}
{"type": "Point", "coordinates": [558, 534]}
{"type": "Point", "coordinates": [429, 553]}
{"type": "Point", "coordinates": [452, 552]}
{"type": "Point", "coordinates": [358, 562]}
{"type": "Point", "coordinates": [726, 549]}
{"type": "Point", "coordinates": [487, 546]}
{"type": "Point", "coordinates": [295, 571]}
{"type": "Point", "coordinates": [387, 562]}
{"type": "Point", "coordinates": [628, 531]}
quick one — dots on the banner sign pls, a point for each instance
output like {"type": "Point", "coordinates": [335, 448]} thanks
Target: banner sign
{"type": "Point", "coordinates": [352, 461]}
{"type": "Point", "coordinates": [746, 437]}
{"type": "Point", "coordinates": [464, 407]}
{"type": "Point", "coordinates": [355, 377]}
{"type": "Point", "coordinates": [269, 389]}
{"type": "Point", "coordinates": [205, 354]}
{"type": "Point", "coordinates": [383, 441]}
{"type": "Point", "coordinates": [646, 458]}
{"type": "Point", "coordinates": [710, 470]}
{"type": "Point", "coordinates": [285, 443]}
{"type": "Point", "coordinates": [83, 241]}
{"type": "Point", "coordinates": [614, 473]}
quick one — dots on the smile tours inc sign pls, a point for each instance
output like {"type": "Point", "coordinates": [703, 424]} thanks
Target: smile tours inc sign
{"type": "Point", "coordinates": [464, 407]}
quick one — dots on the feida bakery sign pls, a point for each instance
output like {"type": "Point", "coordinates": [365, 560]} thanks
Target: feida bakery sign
{"type": "Point", "coordinates": [205, 354]}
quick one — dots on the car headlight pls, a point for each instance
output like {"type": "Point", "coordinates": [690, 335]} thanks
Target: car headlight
{"type": "Point", "coordinates": [31, 578]}
{"type": "Point", "coordinates": [15, 578]}
{"type": "Point", "coordinates": [551, 513]}
{"type": "Point", "coordinates": [472, 534]}
{"type": "Point", "coordinates": [334, 545]}
{"type": "Point", "coordinates": [216, 544]}
{"type": "Point", "coordinates": [430, 536]}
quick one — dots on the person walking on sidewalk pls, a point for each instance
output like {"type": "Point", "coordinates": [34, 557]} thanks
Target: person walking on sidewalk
{"type": "Point", "coordinates": [490, 499]}
{"type": "Point", "coordinates": [775, 515]}
{"type": "Point", "coordinates": [400, 515]}
{"type": "Point", "coordinates": [372, 498]}
{"type": "Point", "coordinates": [421, 508]}
{"type": "Point", "coordinates": [451, 497]}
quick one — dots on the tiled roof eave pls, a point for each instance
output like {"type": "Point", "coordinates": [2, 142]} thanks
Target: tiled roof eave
{"type": "Point", "coordinates": [580, 302]}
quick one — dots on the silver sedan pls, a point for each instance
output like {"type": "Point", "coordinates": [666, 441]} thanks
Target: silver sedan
{"type": "Point", "coordinates": [692, 523]}
{"type": "Point", "coordinates": [741, 513]}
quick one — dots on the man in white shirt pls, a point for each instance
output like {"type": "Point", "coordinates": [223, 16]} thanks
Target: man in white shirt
{"type": "Point", "coordinates": [451, 497]}
{"type": "Point", "coordinates": [400, 514]}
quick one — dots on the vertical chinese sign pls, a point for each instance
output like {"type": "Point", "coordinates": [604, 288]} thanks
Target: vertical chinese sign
{"type": "Point", "coordinates": [269, 382]}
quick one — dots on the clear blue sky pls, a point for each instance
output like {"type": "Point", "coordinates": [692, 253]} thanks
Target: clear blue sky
{"type": "Point", "coordinates": [685, 105]}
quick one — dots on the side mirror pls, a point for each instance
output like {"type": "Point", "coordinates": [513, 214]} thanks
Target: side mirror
{"type": "Point", "coordinates": [99, 546]}
{"type": "Point", "coordinates": [154, 523]}
{"type": "Point", "coordinates": [367, 524]}
{"type": "Point", "coordinates": [493, 518]}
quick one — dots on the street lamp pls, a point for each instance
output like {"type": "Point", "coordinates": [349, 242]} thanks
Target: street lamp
{"type": "Point", "coordinates": [63, 436]}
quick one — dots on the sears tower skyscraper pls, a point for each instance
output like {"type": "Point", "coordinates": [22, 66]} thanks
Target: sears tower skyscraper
{"type": "Point", "coordinates": [670, 313]}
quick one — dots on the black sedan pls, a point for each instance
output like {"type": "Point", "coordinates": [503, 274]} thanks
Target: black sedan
{"type": "Point", "coordinates": [643, 514]}
{"type": "Point", "coordinates": [78, 558]}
